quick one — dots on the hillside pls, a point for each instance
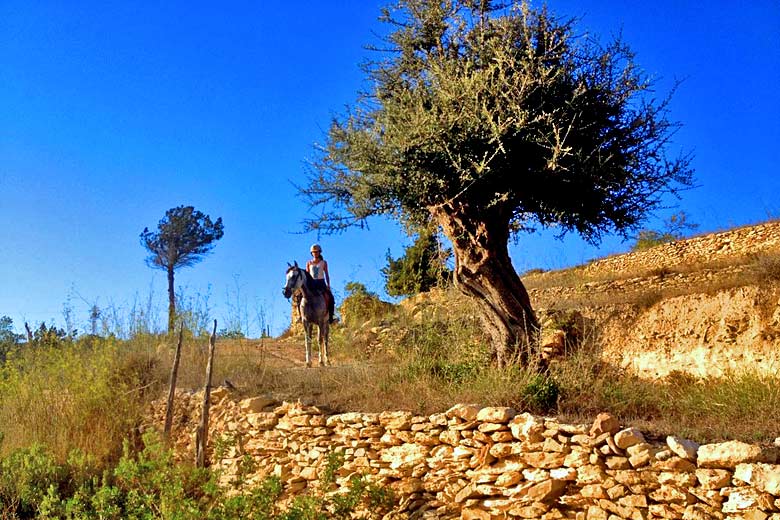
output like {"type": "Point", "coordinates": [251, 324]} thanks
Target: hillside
{"type": "Point", "coordinates": [707, 306]}
{"type": "Point", "coordinates": [656, 339]}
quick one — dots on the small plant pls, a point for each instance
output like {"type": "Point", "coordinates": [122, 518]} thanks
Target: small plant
{"type": "Point", "coordinates": [541, 393]}
{"type": "Point", "coordinates": [674, 228]}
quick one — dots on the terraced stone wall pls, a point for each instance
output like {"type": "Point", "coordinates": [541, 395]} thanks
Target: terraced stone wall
{"type": "Point", "coordinates": [707, 248]}
{"type": "Point", "coordinates": [489, 463]}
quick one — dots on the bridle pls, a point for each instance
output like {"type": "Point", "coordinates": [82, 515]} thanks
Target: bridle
{"type": "Point", "coordinates": [293, 281]}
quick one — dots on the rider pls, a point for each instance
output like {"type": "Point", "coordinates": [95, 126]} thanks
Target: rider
{"type": "Point", "coordinates": [318, 269]}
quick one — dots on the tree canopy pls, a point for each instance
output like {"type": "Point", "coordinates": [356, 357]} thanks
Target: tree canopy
{"type": "Point", "coordinates": [183, 237]}
{"type": "Point", "coordinates": [487, 118]}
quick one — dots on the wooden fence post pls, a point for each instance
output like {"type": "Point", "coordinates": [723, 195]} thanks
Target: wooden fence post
{"type": "Point", "coordinates": [172, 386]}
{"type": "Point", "coordinates": [203, 430]}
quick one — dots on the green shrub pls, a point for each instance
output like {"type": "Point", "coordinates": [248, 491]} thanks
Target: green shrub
{"type": "Point", "coordinates": [541, 393]}
{"type": "Point", "coordinates": [421, 268]}
{"type": "Point", "coordinates": [362, 305]}
{"type": "Point", "coordinates": [151, 485]}
{"type": "Point", "coordinates": [675, 228]}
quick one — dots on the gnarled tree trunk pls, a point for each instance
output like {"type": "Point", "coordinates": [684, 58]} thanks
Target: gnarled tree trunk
{"type": "Point", "coordinates": [484, 271]}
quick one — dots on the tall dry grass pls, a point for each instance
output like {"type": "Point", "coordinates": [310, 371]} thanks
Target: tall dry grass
{"type": "Point", "coordinates": [87, 395]}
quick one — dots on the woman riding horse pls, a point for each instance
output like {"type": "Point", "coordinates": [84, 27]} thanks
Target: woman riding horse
{"type": "Point", "coordinates": [318, 269]}
{"type": "Point", "coordinates": [313, 308]}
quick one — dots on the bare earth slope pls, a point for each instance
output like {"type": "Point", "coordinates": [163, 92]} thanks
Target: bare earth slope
{"type": "Point", "coordinates": [704, 306]}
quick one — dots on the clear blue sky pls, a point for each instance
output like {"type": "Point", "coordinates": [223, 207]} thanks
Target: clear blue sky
{"type": "Point", "coordinates": [113, 112]}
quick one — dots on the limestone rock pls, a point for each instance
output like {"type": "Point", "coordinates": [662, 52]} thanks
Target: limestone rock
{"type": "Point", "coordinates": [467, 412]}
{"type": "Point", "coordinates": [764, 477]}
{"type": "Point", "coordinates": [604, 423]}
{"type": "Point", "coordinates": [256, 404]}
{"type": "Point", "coordinates": [730, 453]}
{"type": "Point", "coordinates": [496, 414]}
{"type": "Point", "coordinates": [682, 447]}
{"type": "Point", "coordinates": [628, 437]}
{"type": "Point", "coordinates": [526, 427]}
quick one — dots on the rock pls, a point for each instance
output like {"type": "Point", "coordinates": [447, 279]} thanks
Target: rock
{"type": "Point", "coordinates": [496, 414]}
{"type": "Point", "coordinates": [628, 437]}
{"type": "Point", "coordinates": [526, 427]}
{"type": "Point", "coordinates": [508, 479]}
{"type": "Point", "coordinates": [256, 404]}
{"type": "Point", "coordinates": [546, 491]}
{"type": "Point", "coordinates": [471, 513]}
{"type": "Point", "coordinates": [729, 454]}
{"type": "Point", "coordinates": [604, 423]}
{"type": "Point", "coordinates": [764, 477]}
{"type": "Point", "coordinates": [742, 499]}
{"type": "Point", "coordinates": [713, 478]}
{"type": "Point", "coordinates": [404, 456]}
{"type": "Point", "coordinates": [400, 421]}
{"type": "Point", "coordinates": [682, 447]}
{"type": "Point", "coordinates": [467, 412]}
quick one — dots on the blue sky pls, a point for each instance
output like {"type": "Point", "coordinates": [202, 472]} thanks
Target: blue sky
{"type": "Point", "coordinates": [113, 112]}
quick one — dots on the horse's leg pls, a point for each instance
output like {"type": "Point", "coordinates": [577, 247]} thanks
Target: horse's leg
{"type": "Point", "coordinates": [324, 341]}
{"type": "Point", "coordinates": [307, 341]}
{"type": "Point", "coordinates": [323, 334]}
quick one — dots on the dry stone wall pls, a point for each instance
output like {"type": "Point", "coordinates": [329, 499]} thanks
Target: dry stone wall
{"type": "Point", "coordinates": [707, 248]}
{"type": "Point", "coordinates": [475, 462]}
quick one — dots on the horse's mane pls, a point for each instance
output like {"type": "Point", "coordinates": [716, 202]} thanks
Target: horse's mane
{"type": "Point", "coordinates": [308, 279]}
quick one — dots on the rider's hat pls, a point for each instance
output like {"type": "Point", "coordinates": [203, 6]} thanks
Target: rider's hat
{"type": "Point", "coordinates": [316, 247]}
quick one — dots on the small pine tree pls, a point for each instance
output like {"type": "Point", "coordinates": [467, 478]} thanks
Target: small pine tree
{"type": "Point", "coordinates": [421, 267]}
{"type": "Point", "coordinates": [183, 237]}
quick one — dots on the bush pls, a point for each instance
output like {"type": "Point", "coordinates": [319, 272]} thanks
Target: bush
{"type": "Point", "coordinates": [362, 305]}
{"type": "Point", "coordinates": [541, 393]}
{"type": "Point", "coordinates": [8, 338]}
{"type": "Point", "coordinates": [674, 229]}
{"type": "Point", "coordinates": [150, 485]}
{"type": "Point", "coordinates": [421, 268]}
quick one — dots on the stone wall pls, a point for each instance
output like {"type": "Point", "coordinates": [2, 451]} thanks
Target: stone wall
{"type": "Point", "coordinates": [707, 248]}
{"type": "Point", "coordinates": [488, 463]}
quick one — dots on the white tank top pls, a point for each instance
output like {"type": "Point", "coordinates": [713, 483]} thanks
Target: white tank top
{"type": "Point", "coordinates": [317, 270]}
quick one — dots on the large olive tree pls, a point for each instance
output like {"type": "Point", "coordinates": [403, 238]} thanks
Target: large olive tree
{"type": "Point", "coordinates": [486, 120]}
{"type": "Point", "coordinates": [183, 238]}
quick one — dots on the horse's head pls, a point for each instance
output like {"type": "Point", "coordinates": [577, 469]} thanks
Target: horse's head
{"type": "Point", "coordinates": [295, 278]}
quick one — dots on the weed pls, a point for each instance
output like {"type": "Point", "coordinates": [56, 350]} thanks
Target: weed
{"type": "Point", "coordinates": [541, 393]}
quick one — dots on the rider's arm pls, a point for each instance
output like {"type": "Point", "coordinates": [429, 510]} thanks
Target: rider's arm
{"type": "Point", "coordinates": [325, 270]}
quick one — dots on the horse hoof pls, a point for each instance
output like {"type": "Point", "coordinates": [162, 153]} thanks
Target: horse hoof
{"type": "Point", "coordinates": [308, 364]}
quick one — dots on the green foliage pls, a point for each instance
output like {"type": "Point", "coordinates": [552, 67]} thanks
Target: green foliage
{"type": "Point", "coordinates": [360, 304]}
{"type": "Point", "coordinates": [151, 485]}
{"type": "Point", "coordinates": [51, 336]}
{"type": "Point", "coordinates": [8, 338]}
{"type": "Point", "coordinates": [675, 228]}
{"type": "Point", "coordinates": [497, 114]}
{"type": "Point", "coordinates": [541, 393]}
{"type": "Point", "coordinates": [93, 389]}
{"type": "Point", "coordinates": [183, 237]}
{"type": "Point", "coordinates": [418, 270]}
{"type": "Point", "coordinates": [231, 334]}
{"type": "Point", "coordinates": [25, 478]}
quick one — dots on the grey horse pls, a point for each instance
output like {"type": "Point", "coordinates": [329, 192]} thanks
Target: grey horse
{"type": "Point", "coordinates": [313, 308]}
